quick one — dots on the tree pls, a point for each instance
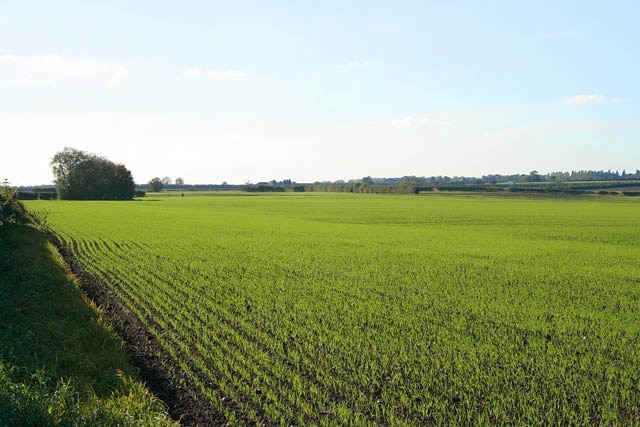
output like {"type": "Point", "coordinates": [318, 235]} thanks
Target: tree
{"type": "Point", "coordinates": [179, 181]}
{"type": "Point", "coordinates": [533, 177]}
{"type": "Point", "coordinates": [123, 182]}
{"type": "Point", "coordinates": [367, 180]}
{"type": "Point", "coordinates": [156, 185]}
{"type": "Point", "coordinates": [84, 176]}
{"type": "Point", "coordinates": [166, 181]}
{"type": "Point", "coordinates": [63, 164]}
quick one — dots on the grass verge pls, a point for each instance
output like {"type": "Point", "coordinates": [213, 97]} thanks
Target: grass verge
{"type": "Point", "coordinates": [60, 363]}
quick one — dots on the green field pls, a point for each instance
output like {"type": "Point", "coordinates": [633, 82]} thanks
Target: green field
{"type": "Point", "coordinates": [331, 309]}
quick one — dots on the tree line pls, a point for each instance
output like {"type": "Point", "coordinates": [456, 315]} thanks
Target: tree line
{"type": "Point", "coordinates": [532, 176]}
{"type": "Point", "coordinates": [79, 175]}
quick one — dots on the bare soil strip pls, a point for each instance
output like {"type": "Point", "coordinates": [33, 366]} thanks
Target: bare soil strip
{"type": "Point", "coordinates": [161, 373]}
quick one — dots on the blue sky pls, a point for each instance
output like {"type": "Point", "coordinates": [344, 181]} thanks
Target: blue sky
{"type": "Point", "coordinates": [240, 91]}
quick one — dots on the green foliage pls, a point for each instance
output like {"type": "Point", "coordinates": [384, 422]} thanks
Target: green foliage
{"type": "Point", "coordinates": [31, 195]}
{"type": "Point", "coordinates": [35, 399]}
{"type": "Point", "coordinates": [338, 309]}
{"type": "Point", "coordinates": [59, 364]}
{"type": "Point", "coordinates": [7, 207]}
{"type": "Point", "coordinates": [156, 185]}
{"type": "Point", "coordinates": [83, 176]}
{"type": "Point", "coordinates": [11, 211]}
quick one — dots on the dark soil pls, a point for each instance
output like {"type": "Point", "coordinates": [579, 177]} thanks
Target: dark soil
{"type": "Point", "coordinates": [160, 372]}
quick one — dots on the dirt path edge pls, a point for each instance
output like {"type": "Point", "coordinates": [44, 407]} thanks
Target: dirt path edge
{"type": "Point", "coordinates": [162, 375]}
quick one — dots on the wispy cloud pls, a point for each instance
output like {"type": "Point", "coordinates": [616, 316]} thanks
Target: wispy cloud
{"type": "Point", "coordinates": [360, 64]}
{"type": "Point", "coordinates": [192, 72]}
{"type": "Point", "coordinates": [558, 35]}
{"type": "Point", "coordinates": [226, 74]}
{"type": "Point", "coordinates": [518, 132]}
{"type": "Point", "coordinates": [619, 100]}
{"type": "Point", "coordinates": [119, 75]}
{"type": "Point", "coordinates": [592, 98]}
{"type": "Point", "coordinates": [215, 73]}
{"type": "Point", "coordinates": [53, 67]}
{"type": "Point", "coordinates": [414, 121]}
{"type": "Point", "coordinates": [28, 81]}
{"type": "Point", "coordinates": [121, 72]}
{"type": "Point", "coordinates": [581, 99]}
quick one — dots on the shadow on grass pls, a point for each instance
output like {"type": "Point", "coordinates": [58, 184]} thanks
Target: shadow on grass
{"type": "Point", "coordinates": [59, 363]}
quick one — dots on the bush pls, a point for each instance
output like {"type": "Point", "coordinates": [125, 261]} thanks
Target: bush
{"type": "Point", "coordinates": [26, 195]}
{"type": "Point", "coordinates": [36, 195]}
{"type": "Point", "coordinates": [47, 196]}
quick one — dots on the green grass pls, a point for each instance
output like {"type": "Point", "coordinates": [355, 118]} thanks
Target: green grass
{"type": "Point", "coordinates": [365, 310]}
{"type": "Point", "coordinates": [60, 365]}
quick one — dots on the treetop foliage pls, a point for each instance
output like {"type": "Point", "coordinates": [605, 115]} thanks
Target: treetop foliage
{"type": "Point", "coordinates": [156, 184]}
{"type": "Point", "coordinates": [84, 176]}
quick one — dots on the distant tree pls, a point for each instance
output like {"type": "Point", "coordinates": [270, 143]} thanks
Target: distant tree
{"type": "Point", "coordinates": [367, 180]}
{"type": "Point", "coordinates": [156, 184]}
{"type": "Point", "coordinates": [166, 180]}
{"type": "Point", "coordinates": [179, 181]}
{"type": "Point", "coordinates": [533, 177]}
{"type": "Point", "coordinates": [84, 176]}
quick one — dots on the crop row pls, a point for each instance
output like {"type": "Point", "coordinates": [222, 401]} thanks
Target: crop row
{"type": "Point", "coordinates": [381, 310]}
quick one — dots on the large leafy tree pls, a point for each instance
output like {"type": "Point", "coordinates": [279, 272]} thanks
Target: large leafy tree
{"type": "Point", "coordinates": [156, 184]}
{"type": "Point", "coordinates": [84, 176]}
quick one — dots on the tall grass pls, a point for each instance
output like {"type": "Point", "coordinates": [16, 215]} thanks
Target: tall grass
{"type": "Point", "coordinates": [60, 363]}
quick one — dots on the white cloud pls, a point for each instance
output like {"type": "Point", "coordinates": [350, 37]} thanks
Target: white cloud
{"type": "Point", "coordinates": [191, 72]}
{"type": "Point", "coordinates": [526, 131]}
{"type": "Point", "coordinates": [360, 64]}
{"type": "Point", "coordinates": [585, 99]}
{"type": "Point", "coordinates": [121, 72]}
{"type": "Point", "coordinates": [28, 81]}
{"type": "Point", "coordinates": [119, 75]}
{"type": "Point", "coordinates": [593, 98]}
{"type": "Point", "coordinates": [619, 100]}
{"type": "Point", "coordinates": [227, 74]}
{"type": "Point", "coordinates": [414, 121]}
{"type": "Point", "coordinates": [58, 68]}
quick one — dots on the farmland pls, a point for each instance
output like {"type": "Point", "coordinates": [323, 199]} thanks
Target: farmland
{"type": "Point", "coordinates": [332, 309]}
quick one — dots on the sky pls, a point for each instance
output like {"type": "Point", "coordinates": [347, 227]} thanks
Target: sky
{"type": "Point", "coordinates": [249, 91]}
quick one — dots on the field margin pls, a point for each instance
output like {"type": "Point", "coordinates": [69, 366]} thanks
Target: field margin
{"type": "Point", "coordinates": [164, 380]}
